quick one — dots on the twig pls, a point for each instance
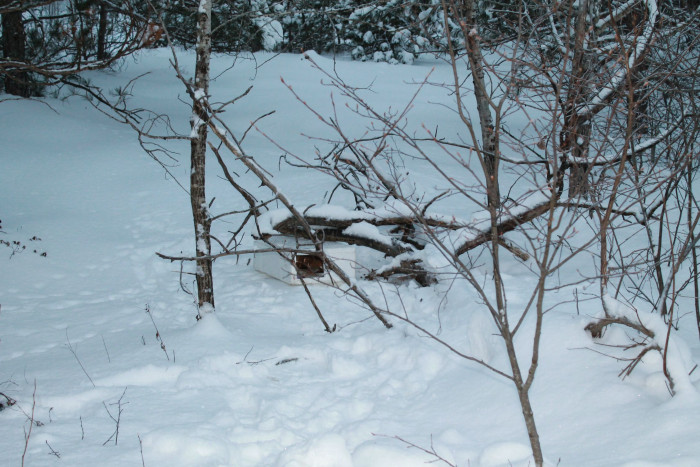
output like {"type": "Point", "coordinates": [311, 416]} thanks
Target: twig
{"type": "Point", "coordinates": [28, 434]}
{"type": "Point", "coordinates": [73, 351]}
{"type": "Point", "coordinates": [245, 359]}
{"type": "Point", "coordinates": [143, 462]}
{"type": "Point", "coordinates": [313, 303]}
{"type": "Point", "coordinates": [52, 450]}
{"type": "Point", "coordinates": [159, 338]}
{"type": "Point", "coordinates": [228, 253]}
{"type": "Point", "coordinates": [430, 451]}
{"type": "Point", "coordinates": [116, 420]}
{"type": "Point", "coordinates": [106, 351]}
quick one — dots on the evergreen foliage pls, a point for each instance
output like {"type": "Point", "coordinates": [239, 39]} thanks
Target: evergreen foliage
{"type": "Point", "coordinates": [63, 37]}
{"type": "Point", "coordinates": [312, 25]}
{"type": "Point", "coordinates": [234, 25]}
{"type": "Point", "coordinates": [384, 32]}
{"type": "Point", "coordinates": [395, 31]}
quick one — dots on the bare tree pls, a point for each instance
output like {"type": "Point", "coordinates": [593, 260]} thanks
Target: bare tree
{"type": "Point", "coordinates": [464, 12]}
{"type": "Point", "coordinates": [582, 107]}
{"type": "Point", "coordinates": [153, 129]}
{"type": "Point", "coordinates": [198, 199]}
{"type": "Point", "coordinates": [581, 104]}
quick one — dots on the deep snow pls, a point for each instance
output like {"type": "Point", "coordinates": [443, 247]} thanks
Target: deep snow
{"type": "Point", "coordinates": [260, 382]}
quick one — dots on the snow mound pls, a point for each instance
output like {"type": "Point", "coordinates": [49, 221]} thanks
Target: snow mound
{"type": "Point", "coordinates": [327, 451]}
{"type": "Point", "coordinates": [377, 454]}
{"type": "Point", "coordinates": [506, 454]}
{"type": "Point", "coordinates": [148, 375]}
{"type": "Point", "coordinates": [182, 446]}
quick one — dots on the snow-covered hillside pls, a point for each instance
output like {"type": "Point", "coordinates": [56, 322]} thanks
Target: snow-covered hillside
{"type": "Point", "coordinates": [259, 382]}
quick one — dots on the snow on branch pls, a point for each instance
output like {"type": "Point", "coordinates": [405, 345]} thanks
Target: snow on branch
{"type": "Point", "coordinates": [656, 338]}
{"type": "Point", "coordinates": [643, 41]}
{"type": "Point", "coordinates": [361, 227]}
{"type": "Point", "coordinates": [615, 15]}
{"type": "Point", "coordinates": [657, 333]}
{"type": "Point", "coordinates": [397, 234]}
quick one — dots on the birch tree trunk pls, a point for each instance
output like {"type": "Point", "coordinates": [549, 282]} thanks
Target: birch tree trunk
{"type": "Point", "coordinates": [200, 209]}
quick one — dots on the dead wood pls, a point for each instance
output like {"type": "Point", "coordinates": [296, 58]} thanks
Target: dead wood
{"type": "Point", "coordinates": [597, 328]}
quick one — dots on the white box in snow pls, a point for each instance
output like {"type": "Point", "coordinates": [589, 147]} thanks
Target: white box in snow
{"type": "Point", "coordinates": [287, 266]}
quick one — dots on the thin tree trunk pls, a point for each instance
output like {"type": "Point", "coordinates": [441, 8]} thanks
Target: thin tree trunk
{"type": "Point", "coordinates": [532, 433]}
{"type": "Point", "coordinates": [464, 12]}
{"type": "Point", "coordinates": [577, 130]}
{"type": "Point", "coordinates": [579, 186]}
{"type": "Point", "coordinates": [102, 34]}
{"type": "Point", "coordinates": [523, 392]}
{"type": "Point", "coordinates": [489, 139]}
{"type": "Point", "coordinates": [200, 209]}
{"type": "Point", "coordinates": [13, 38]}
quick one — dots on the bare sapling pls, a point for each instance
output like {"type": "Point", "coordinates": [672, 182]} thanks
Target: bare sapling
{"type": "Point", "coordinates": [156, 135]}
{"type": "Point", "coordinates": [575, 134]}
{"type": "Point", "coordinates": [387, 195]}
{"type": "Point", "coordinates": [198, 150]}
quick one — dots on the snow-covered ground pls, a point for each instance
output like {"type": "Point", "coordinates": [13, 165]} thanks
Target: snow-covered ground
{"type": "Point", "coordinates": [259, 382]}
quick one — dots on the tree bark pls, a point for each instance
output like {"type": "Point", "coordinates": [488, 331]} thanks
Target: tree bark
{"type": "Point", "coordinates": [489, 137]}
{"type": "Point", "coordinates": [198, 198]}
{"type": "Point", "coordinates": [102, 34]}
{"type": "Point", "coordinates": [13, 39]}
{"type": "Point", "coordinates": [577, 130]}
{"type": "Point", "coordinates": [523, 391]}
